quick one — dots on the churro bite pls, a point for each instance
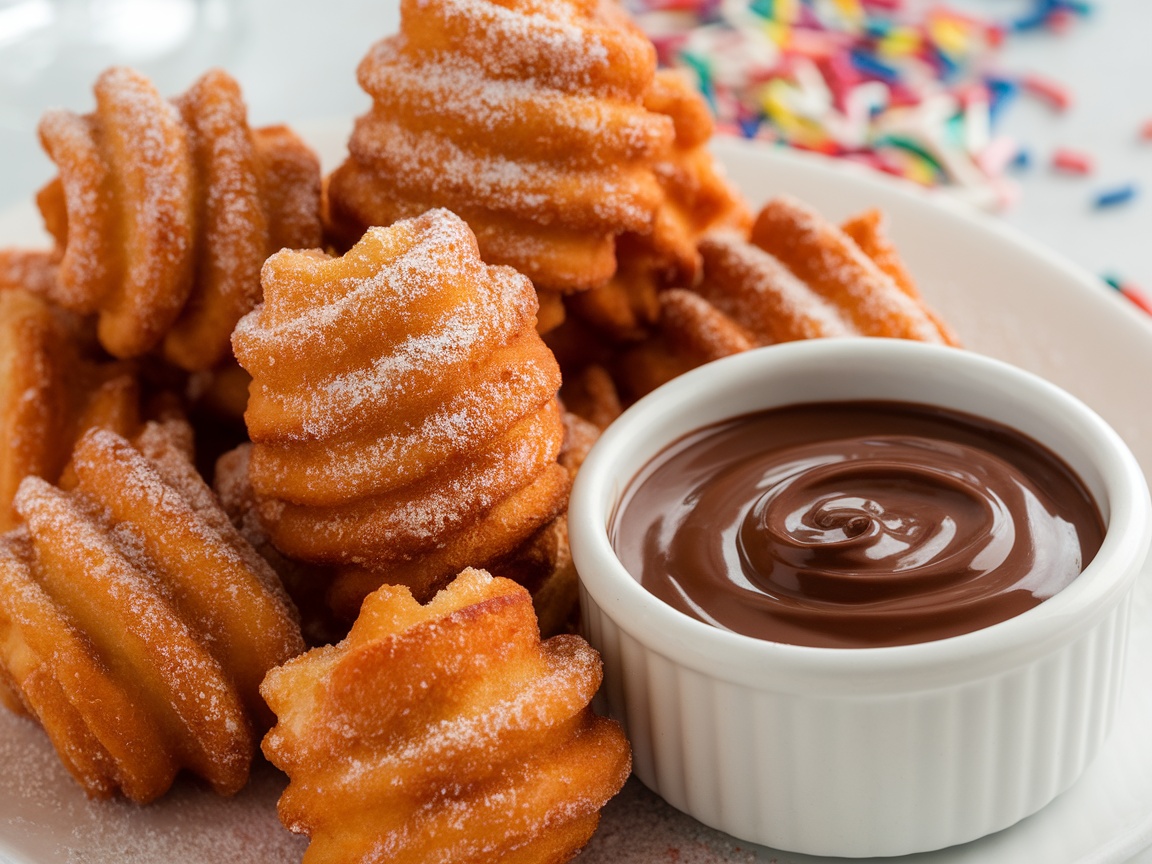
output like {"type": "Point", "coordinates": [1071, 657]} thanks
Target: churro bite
{"type": "Point", "coordinates": [690, 332]}
{"type": "Point", "coordinates": [444, 733]}
{"type": "Point", "coordinates": [526, 118]}
{"type": "Point", "coordinates": [868, 230]}
{"type": "Point", "coordinates": [403, 409]}
{"type": "Point", "coordinates": [51, 391]}
{"type": "Point", "coordinates": [696, 198]}
{"type": "Point", "coordinates": [306, 584]}
{"type": "Point", "coordinates": [543, 563]}
{"type": "Point", "coordinates": [135, 623]}
{"type": "Point", "coordinates": [798, 277]}
{"type": "Point", "coordinates": [840, 276]}
{"type": "Point", "coordinates": [164, 211]}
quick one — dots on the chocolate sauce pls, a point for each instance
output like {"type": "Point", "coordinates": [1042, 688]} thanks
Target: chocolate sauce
{"type": "Point", "coordinates": [856, 524]}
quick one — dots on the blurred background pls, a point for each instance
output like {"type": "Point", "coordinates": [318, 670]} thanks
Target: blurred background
{"type": "Point", "coordinates": [1048, 99]}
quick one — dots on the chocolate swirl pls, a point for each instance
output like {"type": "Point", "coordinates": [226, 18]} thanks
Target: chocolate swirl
{"type": "Point", "coordinates": [860, 524]}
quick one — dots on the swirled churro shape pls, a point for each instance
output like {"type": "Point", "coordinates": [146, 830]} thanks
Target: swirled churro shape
{"type": "Point", "coordinates": [403, 409]}
{"type": "Point", "coordinates": [444, 733]}
{"type": "Point", "coordinates": [543, 563]}
{"type": "Point", "coordinates": [165, 211]}
{"type": "Point", "coordinates": [799, 277]}
{"type": "Point", "coordinates": [135, 624]}
{"type": "Point", "coordinates": [526, 118]}
{"type": "Point", "coordinates": [696, 198]}
{"type": "Point", "coordinates": [51, 392]}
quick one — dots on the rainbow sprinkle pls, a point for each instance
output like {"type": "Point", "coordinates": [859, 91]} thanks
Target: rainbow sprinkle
{"type": "Point", "coordinates": [909, 88]}
{"type": "Point", "coordinates": [1130, 292]}
{"type": "Point", "coordinates": [1115, 196]}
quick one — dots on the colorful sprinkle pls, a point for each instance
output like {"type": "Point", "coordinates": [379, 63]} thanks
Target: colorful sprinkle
{"type": "Point", "coordinates": [1072, 161]}
{"type": "Point", "coordinates": [1133, 294]}
{"type": "Point", "coordinates": [1022, 161]}
{"type": "Point", "coordinates": [1115, 197]}
{"type": "Point", "coordinates": [909, 88]}
{"type": "Point", "coordinates": [1060, 20]}
{"type": "Point", "coordinates": [1052, 92]}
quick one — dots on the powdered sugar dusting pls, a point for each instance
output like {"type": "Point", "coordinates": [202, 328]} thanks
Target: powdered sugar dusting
{"type": "Point", "coordinates": [332, 399]}
{"type": "Point", "coordinates": [761, 294]}
{"type": "Point", "coordinates": [46, 817]}
{"type": "Point", "coordinates": [527, 118]}
{"type": "Point", "coordinates": [233, 229]}
{"type": "Point", "coordinates": [33, 270]}
{"type": "Point", "coordinates": [310, 296]}
{"type": "Point", "coordinates": [149, 152]}
{"type": "Point", "coordinates": [447, 91]}
{"type": "Point", "coordinates": [835, 267]}
{"type": "Point", "coordinates": [89, 262]}
{"type": "Point", "coordinates": [415, 519]}
{"type": "Point", "coordinates": [547, 40]}
{"type": "Point", "coordinates": [445, 169]}
{"type": "Point", "coordinates": [463, 423]}
{"type": "Point", "coordinates": [116, 591]}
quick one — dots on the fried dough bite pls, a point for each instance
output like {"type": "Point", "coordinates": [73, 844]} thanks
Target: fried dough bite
{"type": "Point", "coordinates": [696, 198]}
{"type": "Point", "coordinates": [525, 118]}
{"type": "Point", "coordinates": [164, 211]}
{"type": "Point", "coordinates": [799, 277]}
{"type": "Point", "coordinates": [403, 408]}
{"type": "Point", "coordinates": [841, 274]}
{"type": "Point", "coordinates": [543, 563]}
{"type": "Point", "coordinates": [307, 584]}
{"type": "Point", "coordinates": [51, 392]}
{"type": "Point", "coordinates": [868, 231]}
{"type": "Point", "coordinates": [136, 624]}
{"type": "Point", "coordinates": [692, 332]}
{"type": "Point", "coordinates": [444, 733]}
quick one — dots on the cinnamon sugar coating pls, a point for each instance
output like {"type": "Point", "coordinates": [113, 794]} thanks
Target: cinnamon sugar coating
{"type": "Point", "coordinates": [403, 409]}
{"type": "Point", "coordinates": [164, 211]}
{"type": "Point", "coordinates": [136, 624]}
{"type": "Point", "coordinates": [525, 117]}
{"type": "Point", "coordinates": [444, 733]}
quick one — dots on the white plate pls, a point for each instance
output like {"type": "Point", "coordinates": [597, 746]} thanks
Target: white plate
{"type": "Point", "coordinates": [1007, 297]}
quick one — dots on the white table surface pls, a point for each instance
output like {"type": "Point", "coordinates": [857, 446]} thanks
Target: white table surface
{"type": "Point", "coordinates": [296, 62]}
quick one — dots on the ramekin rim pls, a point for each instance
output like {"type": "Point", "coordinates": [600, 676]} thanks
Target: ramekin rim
{"type": "Point", "coordinates": [1056, 621]}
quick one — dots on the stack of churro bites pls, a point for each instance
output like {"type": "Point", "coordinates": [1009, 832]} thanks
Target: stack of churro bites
{"type": "Point", "coordinates": [390, 378]}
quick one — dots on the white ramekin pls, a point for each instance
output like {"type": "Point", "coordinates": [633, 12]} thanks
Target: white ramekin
{"type": "Point", "coordinates": [872, 751]}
